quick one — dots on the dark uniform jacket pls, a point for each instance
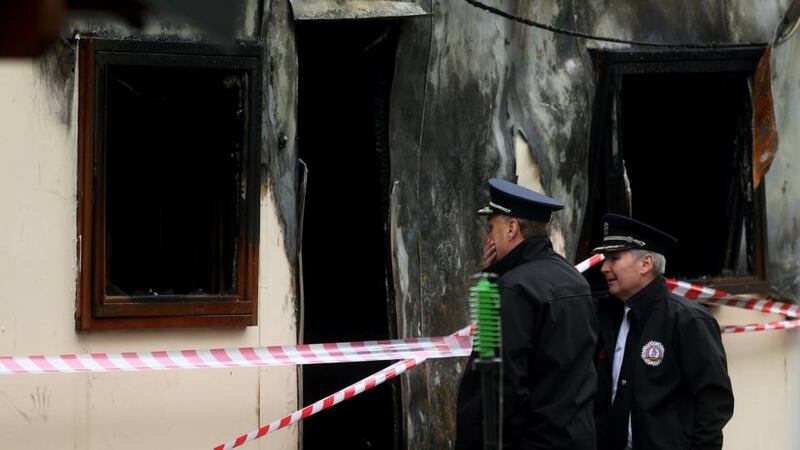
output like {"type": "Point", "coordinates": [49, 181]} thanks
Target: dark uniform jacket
{"type": "Point", "coordinates": [674, 376]}
{"type": "Point", "coordinates": [549, 331]}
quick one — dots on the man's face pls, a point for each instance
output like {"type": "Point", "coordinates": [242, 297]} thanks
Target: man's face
{"type": "Point", "coordinates": [625, 273]}
{"type": "Point", "coordinates": [500, 234]}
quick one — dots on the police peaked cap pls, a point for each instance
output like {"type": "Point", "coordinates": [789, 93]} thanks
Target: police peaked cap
{"type": "Point", "coordinates": [513, 200]}
{"type": "Point", "coordinates": [624, 233]}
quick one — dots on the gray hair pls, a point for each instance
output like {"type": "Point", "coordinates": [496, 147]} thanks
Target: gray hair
{"type": "Point", "coordinates": [533, 228]}
{"type": "Point", "coordinates": [659, 261]}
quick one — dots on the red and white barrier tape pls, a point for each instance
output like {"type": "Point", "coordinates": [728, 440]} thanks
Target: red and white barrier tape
{"type": "Point", "coordinates": [780, 325]}
{"type": "Point", "coordinates": [333, 399]}
{"type": "Point", "coordinates": [356, 388]}
{"type": "Point", "coordinates": [434, 347]}
{"type": "Point", "coordinates": [711, 296]}
{"type": "Point", "coordinates": [714, 297]}
{"type": "Point", "coordinates": [415, 350]}
{"type": "Point", "coordinates": [589, 262]}
{"type": "Point", "coordinates": [692, 292]}
{"type": "Point", "coordinates": [703, 294]}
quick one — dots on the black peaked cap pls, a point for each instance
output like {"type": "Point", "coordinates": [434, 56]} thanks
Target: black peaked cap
{"type": "Point", "coordinates": [624, 233]}
{"type": "Point", "coordinates": [513, 200]}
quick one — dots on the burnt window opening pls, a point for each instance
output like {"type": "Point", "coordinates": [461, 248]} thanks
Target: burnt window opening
{"type": "Point", "coordinates": [168, 179]}
{"type": "Point", "coordinates": [345, 78]}
{"type": "Point", "coordinates": [671, 146]}
{"type": "Point", "coordinates": [173, 176]}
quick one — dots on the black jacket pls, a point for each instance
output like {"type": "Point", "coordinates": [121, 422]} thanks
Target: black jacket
{"type": "Point", "coordinates": [674, 370]}
{"type": "Point", "coordinates": [549, 331]}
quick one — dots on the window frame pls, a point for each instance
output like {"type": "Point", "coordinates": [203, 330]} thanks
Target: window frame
{"type": "Point", "coordinates": [611, 66]}
{"type": "Point", "coordinates": [96, 310]}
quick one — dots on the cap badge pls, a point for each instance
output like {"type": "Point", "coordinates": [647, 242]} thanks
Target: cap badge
{"type": "Point", "coordinates": [653, 353]}
{"type": "Point", "coordinates": [605, 229]}
{"type": "Point", "coordinates": [501, 208]}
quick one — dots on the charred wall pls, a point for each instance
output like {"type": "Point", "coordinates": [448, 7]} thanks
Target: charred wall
{"type": "Point", "coordinates": [783, 189]}
{"type": "Point", "coordinates": [467, 85]}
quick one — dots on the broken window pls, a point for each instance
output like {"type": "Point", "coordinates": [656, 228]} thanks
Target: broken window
{"type": "Point", "coordinates": [168, 184]}
{"type": "Point", "coordinates": [671, 146]}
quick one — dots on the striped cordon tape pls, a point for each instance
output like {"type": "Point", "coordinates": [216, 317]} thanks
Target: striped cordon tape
{"type": "Point", "coordinates": [409, 348]}
{"type": "Point", "coordinates": [333, 399]}
{"type": "Point", "coordinates": [589, 262]}
{"type": "Point", "coordinates": [711, 296]}
{"type": "Point", "coordinates": [412, 351]}
{"type": "Point", "coordinates": [687, 290]}
{"type": "Point", "coordinates": [386, 350]}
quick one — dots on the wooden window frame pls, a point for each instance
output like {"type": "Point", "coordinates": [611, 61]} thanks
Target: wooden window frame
{"type": "Point", "coordinates": [611, 66]}
{"type": "Point", "coordinates": [95, 309]}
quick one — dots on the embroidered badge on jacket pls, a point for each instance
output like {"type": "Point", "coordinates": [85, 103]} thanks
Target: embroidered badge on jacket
{"type": "Point", "coordinates": [653, 353]}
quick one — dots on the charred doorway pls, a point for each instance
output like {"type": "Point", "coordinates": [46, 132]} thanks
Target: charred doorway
{"type": "Point", "coordinates": [345, 74]}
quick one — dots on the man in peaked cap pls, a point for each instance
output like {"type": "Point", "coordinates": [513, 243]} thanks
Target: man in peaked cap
{"type": "Point", "coordinates": [662, 373]}
{"type": "Point", "coordinates": [549, 332]}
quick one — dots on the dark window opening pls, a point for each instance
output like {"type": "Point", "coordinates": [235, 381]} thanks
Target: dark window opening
{"type": "Point", "coordinates": [345, 74]}
{"type": "Point", "coordinates": [168, 181]}
{"type": "Point", "coordinates": [675, 151]}
{"type": "Point", "coordinates": [173, 176]}
{"type": "Point", "coordinates": [689, 165]}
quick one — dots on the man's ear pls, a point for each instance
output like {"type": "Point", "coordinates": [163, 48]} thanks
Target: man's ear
{"type": "Point", "coordinates": [513, 227]}
{"type": "Point", "coordinates": [647, 263]}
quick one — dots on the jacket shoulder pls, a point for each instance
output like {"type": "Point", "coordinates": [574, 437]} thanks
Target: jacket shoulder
{"type": "Point", "coordinates": [687, 309]}
{"type": "Point", "coordinates": [546, 278]}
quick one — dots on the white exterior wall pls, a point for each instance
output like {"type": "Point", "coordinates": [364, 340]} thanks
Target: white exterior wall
{"type": "Point", "coordinates": [171, 409]}
{"type": "Point", "coordinates": [759, 365]}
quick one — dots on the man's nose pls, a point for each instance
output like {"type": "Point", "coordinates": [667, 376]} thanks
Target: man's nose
{"type": "Point", "coordinates": [605, 267]}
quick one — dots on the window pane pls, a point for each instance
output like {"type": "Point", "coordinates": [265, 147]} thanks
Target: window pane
{"type": "Point", "coordinates": [685, 142]}
{"type": "Point", "coordinates": [173, 156]}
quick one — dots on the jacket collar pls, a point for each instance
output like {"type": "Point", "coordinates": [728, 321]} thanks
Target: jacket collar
{"type": "Point", "coordinates": [527, 250]}
{"type": "Point", "coordinates": [642, 302]}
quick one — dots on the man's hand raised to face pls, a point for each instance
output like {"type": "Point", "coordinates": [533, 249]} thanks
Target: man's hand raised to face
{"type": "Point", "coordinates": [489, 253]}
